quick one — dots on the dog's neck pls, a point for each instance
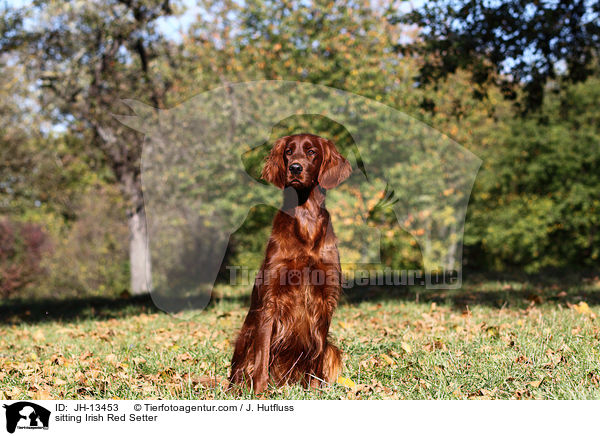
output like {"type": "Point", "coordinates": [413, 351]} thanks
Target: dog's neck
{"type": "Point", "coordinates": [309, 218]}
{"type": "Point", "coordinates": [309, 200]}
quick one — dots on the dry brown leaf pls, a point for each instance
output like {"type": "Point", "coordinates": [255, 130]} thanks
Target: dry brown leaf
{"type": "Point", "coordinates": [185, 357]}
{"type": "Point", "coordinates": [43, 394]}
{"type": "Point", "coordinates": [85, 355]}
{"type": "Point", "coordinates": [395, 354]}
{"type": "Point", "coordinates": [435, 345]}
{"type": "Point", "coordinates": [406, 347]}
{"type": "Point", "coordinates": [38, 336]}
{"type": "Point", "coordinates": [536, 383]}
{"type": "Point", "coordinates": [57, 359]}
{"type": "Point", "coordinates": [523, 359]}
{"type": "Point", "coordinates": [388, 359]}
{"type": "Point", "coordinates": [584, 309]}
{"type": "Point", "coordinates": [594, 378]}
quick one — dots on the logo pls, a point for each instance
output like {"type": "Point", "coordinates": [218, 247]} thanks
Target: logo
{"type": "Point", "coordinates": [26, 415]}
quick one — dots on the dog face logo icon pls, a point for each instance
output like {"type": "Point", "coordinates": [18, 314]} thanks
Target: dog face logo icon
{"type": "Point", "coordinates": [26, 415]}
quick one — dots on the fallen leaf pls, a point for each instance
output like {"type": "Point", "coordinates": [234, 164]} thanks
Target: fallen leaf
{"type": "Point", "coordinates": [346, 382]}
{"type": "Point", "coordinates": [167, 373]}
{"type": "Point", "coordinates": [38, 336]}
{"type": "Point", "coordinates": [388, 359]}
{"type": "Point", "coordinates": [111, 358]}
{"type": "Point", "coordinates": [536, 384]}
{"type": "Point", "coordinates": [594, 378]}
{"type": "Point", "coordinates": [85, 355]}
{"type": "Point", "coordinates": [435, 345]}
{"type": "Point", "coordinates": [43, 394]}
{"type": "Point", "coordinates": [523, 359]}
{"type": "Point", "coordinates": [583, 309]}
{"type": "Point", "coordinates": [185, 356]}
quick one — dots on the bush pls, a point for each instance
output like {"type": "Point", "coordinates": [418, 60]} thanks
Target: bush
{"type": "Point", "coordinates": [21, 248]}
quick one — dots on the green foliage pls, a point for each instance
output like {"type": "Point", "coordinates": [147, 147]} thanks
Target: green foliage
{"type": "Point", "coordinates": [535, 203]}
{"type": "Point", "coordinates": [513, 43]}
{"type": "Point", "coordinates": [89, 256]}
{"type": "Point", "coordinates": [80, 211]}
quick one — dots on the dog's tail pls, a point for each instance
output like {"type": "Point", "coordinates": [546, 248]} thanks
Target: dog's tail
{"type": "Point", "coordinates": [332, 363]}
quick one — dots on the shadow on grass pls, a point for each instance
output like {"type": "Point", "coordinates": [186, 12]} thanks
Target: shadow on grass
{"type": "Point", "coordinates": [472, 295]}
{"type": "Point", "coordinates": [475, 292]}
{"type": "Point", "coordinates": [71, 309]}
{"type": "Point", "coordinates": [517, 291]}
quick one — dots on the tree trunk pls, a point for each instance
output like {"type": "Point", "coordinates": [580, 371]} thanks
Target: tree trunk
{"type": "Point", "coordinates": [139, 253]}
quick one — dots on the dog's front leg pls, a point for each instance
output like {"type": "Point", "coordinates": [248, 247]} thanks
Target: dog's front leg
{"type": "Point", "coordinates": [262, 348]}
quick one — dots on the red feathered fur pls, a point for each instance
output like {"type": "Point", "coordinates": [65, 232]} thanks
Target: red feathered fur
{"type": "Point", "coordinates": [284, 337]}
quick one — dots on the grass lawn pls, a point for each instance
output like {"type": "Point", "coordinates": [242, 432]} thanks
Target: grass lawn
{"type": "Point", "coordinates": [489, 340]}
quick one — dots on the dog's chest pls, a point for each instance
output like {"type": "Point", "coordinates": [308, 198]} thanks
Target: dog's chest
{"type": "Point", "coordinates": [300, 313]}
{"type": "Point", "coordinates": [309, 227]}
{"type": "Point", "coordinates": [303, 291]}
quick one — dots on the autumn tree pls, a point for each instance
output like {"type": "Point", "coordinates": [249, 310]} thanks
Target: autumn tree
{"type": "Point", "coordinates": [87, 56]}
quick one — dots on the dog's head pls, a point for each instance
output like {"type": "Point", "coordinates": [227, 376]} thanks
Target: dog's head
{"type": "Point", "coordinates": [304, 161]}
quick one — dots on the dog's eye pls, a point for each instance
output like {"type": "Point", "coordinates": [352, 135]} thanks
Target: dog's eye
{"type": "Point", "coordinates": [288, 151]}
{"type": "Point", "coordinates": [311, 152]}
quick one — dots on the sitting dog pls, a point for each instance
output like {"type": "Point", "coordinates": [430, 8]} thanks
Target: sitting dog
{"type": "Point", "coordinates": [285, 334]}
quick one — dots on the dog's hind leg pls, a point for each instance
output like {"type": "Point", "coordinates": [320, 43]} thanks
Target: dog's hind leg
{"type": "Point", "coordinates": [332, 363]}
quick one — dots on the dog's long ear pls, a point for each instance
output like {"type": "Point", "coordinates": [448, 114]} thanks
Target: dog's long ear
{"type": "Point", "coordinates": [274, 169]}
{"type": "Point", "coordinates": [334, 167]}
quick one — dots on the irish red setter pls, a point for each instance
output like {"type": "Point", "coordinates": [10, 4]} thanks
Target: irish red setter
{"type": "Point", "coordinates": [284, 336]}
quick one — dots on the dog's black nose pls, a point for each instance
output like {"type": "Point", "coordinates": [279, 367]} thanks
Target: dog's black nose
{"type": "Point", "coordinates": [295, 168]}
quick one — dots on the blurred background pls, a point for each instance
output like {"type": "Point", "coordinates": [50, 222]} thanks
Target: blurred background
{"type": "Point", "coordinates": [515, 82]}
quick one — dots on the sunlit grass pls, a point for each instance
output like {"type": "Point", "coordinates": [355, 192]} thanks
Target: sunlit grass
{"type": "Point", "coordinates": [482, 342]}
